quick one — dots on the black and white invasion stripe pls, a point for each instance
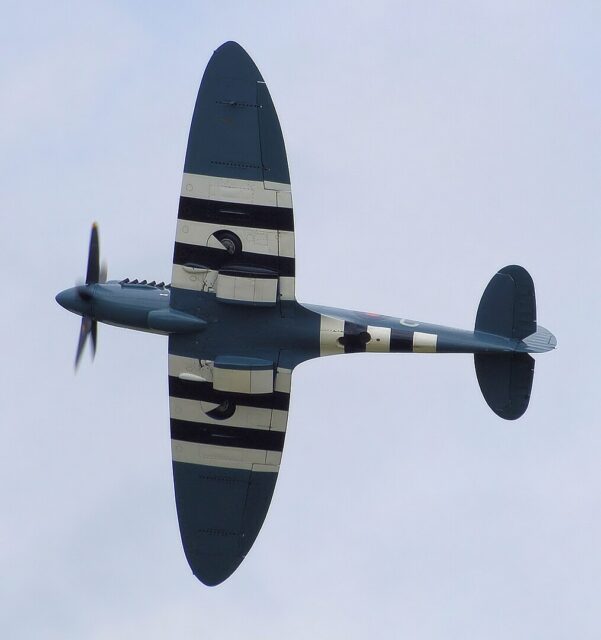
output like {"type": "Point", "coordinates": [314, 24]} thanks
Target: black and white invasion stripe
{"type": "Point", "coordinates": [340, 336]}
{"type": "Point", "coordinates": [259, 214]}
{"type": "Point", "coordinates": [251, 436]}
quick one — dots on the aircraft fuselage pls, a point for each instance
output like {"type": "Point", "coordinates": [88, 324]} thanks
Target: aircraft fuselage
{"type": "Point", "coordinates": [304, 332]}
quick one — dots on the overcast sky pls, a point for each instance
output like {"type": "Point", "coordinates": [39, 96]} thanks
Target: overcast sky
{"type": "Point", "coordinates": [430, 144]}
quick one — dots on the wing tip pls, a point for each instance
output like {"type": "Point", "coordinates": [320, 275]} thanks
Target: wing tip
{"type": "Point", "coordinates": [213, 570]}
{"type": "Point", "coordinates": [230, 44]}
{"type": "Point", "coordinates": [232, 57]}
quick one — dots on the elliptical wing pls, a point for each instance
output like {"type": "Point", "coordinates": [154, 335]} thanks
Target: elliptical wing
{"type": "Point", "coordinates": [226, 451]}
{"type": "Point", "coordinates": [235, 207]}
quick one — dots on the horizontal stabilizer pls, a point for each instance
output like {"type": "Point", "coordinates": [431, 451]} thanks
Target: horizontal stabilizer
{"type": "Point", "coordinates": [506, 382]}
{"type": "Point", "coordinates": [508, 304]}
{"type": "Point", "coordinates": [508, 309]}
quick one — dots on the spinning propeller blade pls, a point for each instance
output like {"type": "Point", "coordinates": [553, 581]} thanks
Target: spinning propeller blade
{"type": "Point", "coordinates": [87, 326]}
{"type": "Point", "coordinates": [95, 274]}
{"type": "Point", "coordinates": [103, 272]}
{"type": "Point", "coordinates": [94, 333]}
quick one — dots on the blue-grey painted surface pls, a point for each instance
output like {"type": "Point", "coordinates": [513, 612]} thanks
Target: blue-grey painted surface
{"type": "Point", "coordinates": [220, 513]}
{"type": "Point", "coordinates": [249, 146]}
{"type": "Point", "coordinates": [508, 305]}
{"type": "Point", "coordinates": [235, 133]}
{"type": "Point", "coordinates": [239, 330]}
{"type": "Point", "coordinates": [221, 510]}
{"type": "Point", "coordinates": [242, 363]}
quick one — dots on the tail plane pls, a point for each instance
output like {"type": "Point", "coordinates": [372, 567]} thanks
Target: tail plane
{"type": "Point", "coordinates": [508, 309]}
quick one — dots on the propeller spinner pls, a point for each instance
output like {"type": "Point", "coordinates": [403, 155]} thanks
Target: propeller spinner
{"type": "Point", "coordinates": [79, 298]}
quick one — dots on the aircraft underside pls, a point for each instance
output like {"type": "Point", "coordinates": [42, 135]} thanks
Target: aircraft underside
{"type": "Point", "coordinates": [236, 331]}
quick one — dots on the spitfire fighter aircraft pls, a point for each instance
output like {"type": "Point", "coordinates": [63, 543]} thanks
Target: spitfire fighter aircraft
{"type": "Point", "coordinates": [236, 331]}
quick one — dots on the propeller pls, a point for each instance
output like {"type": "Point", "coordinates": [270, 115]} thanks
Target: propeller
{"type": "Point", "coordinates": [96, 273]}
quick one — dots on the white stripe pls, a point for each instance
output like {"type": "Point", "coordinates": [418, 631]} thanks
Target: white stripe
{"type": "Point", "coordinates": [266, 468]}
{"type": "Point", "coordinates": [273, 458]}
{"type": "Point", "coordinates": [244, 416]}
{"type": "Point", "coordinates": [181, 452]}
{"type": "Point", "coordinates": [284, 198]}
{"type": "Point", "coordinates": [247, 381]}
{"type": "Point", "coordinates": [329, 331]}
{"type": "Point", "coordinates": [183, 279]}
{"type": "Point", "coordinates": [277, 186]}
{"type": "Point", "coordinates": [231, 457]}
{"type": "Point", "coordinates": [279, 420]}
{"type": "Point", "coordinates": [185, 364]}
{"type": "Point", "coordinates": [380, 339]}
{"type": "Point", "coordinates": [266, 290]}
{"type": "Point", "coordinates": [286, 289]}
{"type": "Point", "coordinates": [424, 342]}
{"type": "Point", "coordinates": [271, 194]}
{"type": "Point", "coordinates": [191, 411]}
{"type": "Point", "coordinates": [286, 242]}
{"type": "Point", "coordinates": [283, 380]}
{"type": "Point", "coordinates": [251, 290]}
{"type": "Point", "coordinates": [268, 242]}
{"type": "Point", "coordinates": [226, 457]}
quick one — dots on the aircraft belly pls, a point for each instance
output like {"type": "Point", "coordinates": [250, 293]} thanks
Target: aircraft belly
{"type": "Point", "coordinates": [236, 331]}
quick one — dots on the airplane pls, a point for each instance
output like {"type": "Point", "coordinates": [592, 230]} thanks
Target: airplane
{"type": "Point", "coordinates": [236, 331]}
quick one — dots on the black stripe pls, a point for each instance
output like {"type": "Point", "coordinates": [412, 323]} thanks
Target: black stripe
{"type": "Point", "coordinates": [236, 214]}
{"type": "Point", "coordinates": [217, 258]}
{"type": "Point", "coordinates": [248, 272]}
{"type": "Point", "coordinates": [355, 337]}
{"type": "Point", "coordinates": [401, 341]}
{"type": "Point", "coordinates": [241, 437]}
{"type": "Point", "coordinates": [192, 390]}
